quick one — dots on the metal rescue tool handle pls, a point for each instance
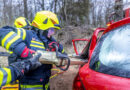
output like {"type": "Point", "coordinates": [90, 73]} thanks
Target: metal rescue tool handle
{"type": "Point", "coordinates": [56, 58]}
{"type": "Point", "coordinates": [62, 57]}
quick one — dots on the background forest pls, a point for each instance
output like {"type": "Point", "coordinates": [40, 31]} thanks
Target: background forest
{"type": "Point", "coordinates": [93, 13]}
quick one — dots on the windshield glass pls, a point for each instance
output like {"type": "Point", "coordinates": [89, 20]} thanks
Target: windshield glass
{"type": "Point", "coordinates": [115, 49]}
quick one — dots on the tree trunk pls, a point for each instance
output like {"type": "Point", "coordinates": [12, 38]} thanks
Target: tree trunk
{"type": "Point", "coordinates": [55, 9]}
{"type": "Point", "coordinates": [42, 5]}
{"type": "Point", "coordinates": [25, 8]}
{"type": "Point", "coordinates": [4, 12]}
{"type": "Point", "coordinates": [118, 10]}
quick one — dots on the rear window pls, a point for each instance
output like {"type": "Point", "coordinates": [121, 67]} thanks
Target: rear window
{"type": "Point", "coordinates": [112, 53]}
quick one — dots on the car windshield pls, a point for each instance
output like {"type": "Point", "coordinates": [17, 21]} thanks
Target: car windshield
{"type": "Point", "coordinates": [115, 50]}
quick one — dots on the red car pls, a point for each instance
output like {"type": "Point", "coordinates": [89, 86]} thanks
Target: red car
{"type": "Point", "coordinates": [108, 66]}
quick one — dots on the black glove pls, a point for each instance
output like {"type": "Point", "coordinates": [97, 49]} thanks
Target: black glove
{"type": "Point", "coordinates": [25, 66]}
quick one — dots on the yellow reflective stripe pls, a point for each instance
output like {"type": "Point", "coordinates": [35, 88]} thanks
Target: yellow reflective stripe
{"type": "Point", "coordinates": [6, 37]}
{"type": "Point", "coordinates": [11, 41]}
{"type": "Point", "coordinates": [31, 86]}
{"type": "Point", "coordinates": [9, 77]}
{"type": "Point", "coordinates": [37, 46]}
{"type": "Point", "coordinates": [37, 42]}
{"type": "Point", "coordinates": [18, 31]}
{"type": "Point", "coordinates": [10, 52]}
{"type": "Point", "coordinates": [63, 50]}
{"type": "Point", "coordinates": [1, 77]}
{"type": "Point", "coordinates": [21, 31]}
{"type": "Point", "coordinates": [47, 86]}
{"type": "Point", "coordinates": [24, 34]}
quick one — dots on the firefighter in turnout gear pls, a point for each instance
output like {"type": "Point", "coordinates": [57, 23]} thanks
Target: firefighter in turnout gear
{"type": "Point", "coordinates": [18, 69]}
{"type": "Point", "coordinates": [22, 42]}
{"type": "Point", "coordinates": [20, 22]}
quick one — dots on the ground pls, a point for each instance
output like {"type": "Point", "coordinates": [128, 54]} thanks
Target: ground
{"type": "Point", "coordinates": [64, 81]}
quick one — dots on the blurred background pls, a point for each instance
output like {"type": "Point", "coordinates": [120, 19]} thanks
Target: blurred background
{"type": "Point", "coordinates": [93, 13]}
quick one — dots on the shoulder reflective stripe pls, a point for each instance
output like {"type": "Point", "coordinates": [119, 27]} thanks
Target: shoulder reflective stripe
{"type": "Point", "coordinates": [37, 42]}
{"type": "Point", "coordinates": [4, 76]}
{"type": "Point", "coordinates": [12, 41]}
{"type": "Point", "coordinates": [6, 37]}
{"type": "Point", "coordinates": [24, 33]}
{"type": "Point", "coordinates": [21, 32]}
{"type": "Point", "coordinates": [9, 76]}
{"type": "Point", "coordinates": [37, 46]}
{"type": "Point", "coordinates": [1, 77]}
{"type": "Point", "coordinates": [63, 51]}
{"type": "Point", "coordinates": [18, 32]}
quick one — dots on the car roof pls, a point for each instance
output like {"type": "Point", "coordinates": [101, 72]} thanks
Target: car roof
{"type": "Point", "coordinates": [117, 24]}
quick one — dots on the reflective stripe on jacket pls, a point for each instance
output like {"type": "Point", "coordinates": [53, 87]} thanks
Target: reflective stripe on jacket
{"type": "Point", "coordinates": [10, 40]}
{"type": "Point", "coordinates": [31, 87]}
{"type": "Point", "coordinates": [21, 32]}
{"type": "Point", "coordinates": [7, 76]}
{"type": "Point", "coordinates": [35, 87]}
{"type": "Point", "coordinates": [37, 45]}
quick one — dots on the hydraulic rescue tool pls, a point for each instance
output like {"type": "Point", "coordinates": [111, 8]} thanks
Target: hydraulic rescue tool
{"type": "Point", "coordinates": [62, 61]}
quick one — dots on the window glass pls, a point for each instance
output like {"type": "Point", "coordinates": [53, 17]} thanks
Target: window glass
{"type": "Point", "coordinates": [115, 50]}
{"type": "Point", "coordinates": [112, 53]}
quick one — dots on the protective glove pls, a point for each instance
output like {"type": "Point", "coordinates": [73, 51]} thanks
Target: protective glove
{"type": "Point", "coordinates": [27, 53]}
{"type": "Point", "coordinates": [25, 66]}
{"type": "Point", "coordinates": [52, 47]}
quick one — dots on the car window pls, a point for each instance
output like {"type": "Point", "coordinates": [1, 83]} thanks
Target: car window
{"type": "Point", "coordinates": [112, 53]}
{"type": "Point", "coordinates": [115, 50]}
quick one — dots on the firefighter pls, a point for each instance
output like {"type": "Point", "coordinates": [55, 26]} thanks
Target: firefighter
{"type": "Point", "coordinates": [20, 41]}
{"type": "Point", "coordinates": [20, 22]}
{"type": "Point", "coordinates": [16, 70]}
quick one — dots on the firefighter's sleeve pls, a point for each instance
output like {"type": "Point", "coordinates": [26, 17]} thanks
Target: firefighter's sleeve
{"type": "Point", "coordinates": [7, 75]}
{"type": "Point", "coordinates": [61, 49]}
{"type": "Point", "coordinates": [21, 32]}
{"type": "Point", "coordinates": [12, 41]}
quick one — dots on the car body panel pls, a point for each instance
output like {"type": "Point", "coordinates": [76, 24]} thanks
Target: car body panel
{"type": "Point", "coordinates": [93, 80]}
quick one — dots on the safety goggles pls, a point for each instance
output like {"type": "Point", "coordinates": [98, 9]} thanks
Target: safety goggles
{"type": "Point", "coordinates": [51, 31]}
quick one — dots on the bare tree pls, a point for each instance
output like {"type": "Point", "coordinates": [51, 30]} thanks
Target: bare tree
{"type": "Point", "coordinates": [4, 11]}
{"type": "Point", "coordinates": [25, 8]}
{"type": "Point", "coordinates": [55, 6]}
{"type": "Point", "coordinates": [42, 5]}
{"type": "Point", "coordinates": [118, 9]}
